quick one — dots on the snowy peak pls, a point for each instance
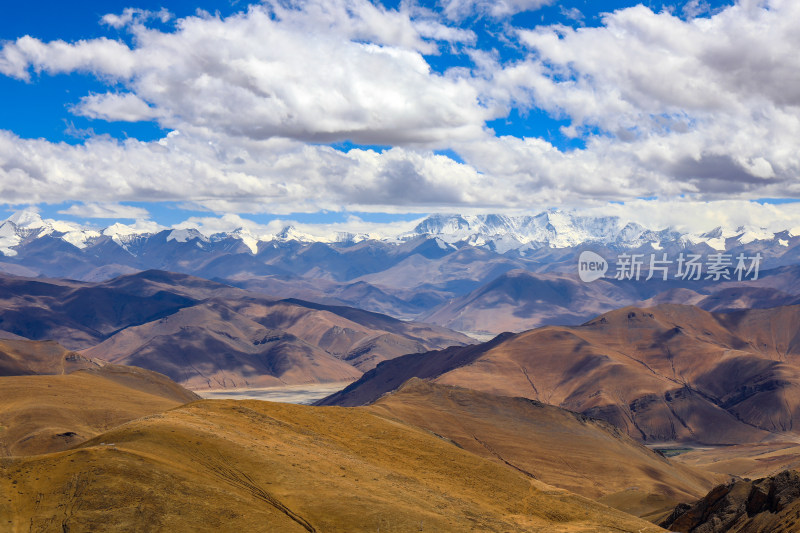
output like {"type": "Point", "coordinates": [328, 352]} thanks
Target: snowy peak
{"type": "Point", "coordinates": [9, 238]}
{"type": "Point", "coordinates": [553, 228]}
{"type": "Point", "coordinates": [186, 235]}
{"type": "Point", "coordinates": [443, 224]}
{"type": "Point", "coordinates": [564, 229]}
{"type": "Point", "coordinates": [120, 233]}
{"type": "Point", "coordinates": [27, 219]}
{"type": "Point", "coordinates": [289, 233]}
{"type": "Point", "coordinates": [27, 225]}
{"type": "Point", "coordinates": [240, 234]}
{"type": "Point", "coordinates": [715, 233]}
{"type": "Point", "coordinates": [349, 237]}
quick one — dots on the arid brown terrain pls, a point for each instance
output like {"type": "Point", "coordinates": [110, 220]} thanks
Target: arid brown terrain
{"type": "Point", "coordinates": [92, 446]}
{"type": "Point", "coordinates": [228, 465]}
{"type": "Point", "coordinates": [207, 335]}
{"type": "Point", "coordinates": [584, 455]}
{"type": "Point", "coordinates": [52, 398]}
{"type": "Point", "coordinates": [662, 374]}
{"type": "Point", "coordinates": [768, 505]}
{"type": "Point", "coordinates": [538, 431]}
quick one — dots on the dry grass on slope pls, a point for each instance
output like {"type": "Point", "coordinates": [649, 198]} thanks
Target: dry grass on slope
{"type": "Point", "coordinates": [586, 456]}
{"type": "Point", "coordinates": [259, 466]}
{"type": "Point", "coordinates": [42, 414]}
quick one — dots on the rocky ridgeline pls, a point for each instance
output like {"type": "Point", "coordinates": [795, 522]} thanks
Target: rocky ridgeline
{"type": "Point", "coordinates": [765, 505]}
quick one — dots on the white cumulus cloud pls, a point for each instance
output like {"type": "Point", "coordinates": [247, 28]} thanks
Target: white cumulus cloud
{"type": "Point", "coordinates": [125, 107]}
{"type": "Point", "coordinates": [315, 71]}
{"type": "Point", "coordinates": [132, 15]}
{"type": "Point", "coordinates": [459, 9]}
{"type": "Point", "coordinates": [106, 210]}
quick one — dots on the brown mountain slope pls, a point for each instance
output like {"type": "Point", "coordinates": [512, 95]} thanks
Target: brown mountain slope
{"type": "Point", "coordinates": [775, 333]}
{"type": "Point", "coordinates": [209, 346]}
{"type": "Point", "coordinates": [79, 315]}
{"type": "Point", "coordinates": [519, 300]}
{"type": "Point", "coordinates": [259, 466]}
{"type": "Point", "coordinates": [48, 358]}
{"type": "Point", "coordinates": [155, 283]}
{"type": "Point", "coordinates": [668, 373]}
{"type": "Point", "coordinates": [209, 335]}
{"type": "Point", "coordinates": [361, 338]}
{"type": "Point", "coordinates": [257, 342]}
{"type": "Point", "coordinates": [561, 448]}
{"type": "Point", "coordinates": [390, 375]}
{"type": "Point", "coordinates": [24, 357]}
{"type": "Point", "coordinates": [727, 299]}
{"type": "Point", "coordinates": [769, 505]}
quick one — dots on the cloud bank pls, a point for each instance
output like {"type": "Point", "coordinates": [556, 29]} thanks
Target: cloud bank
{"type": "Point", "coordinates": [700, 107]}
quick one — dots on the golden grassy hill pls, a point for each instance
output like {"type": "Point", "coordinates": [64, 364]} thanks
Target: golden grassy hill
{"type": "Point", "coordinates": [41, 414]}
{"type": "Point", "coordinates": [586, 456]}
{"type": "Point", "coordinates": [52, 398]}
{"type": "Point", "coordinates": [23, 357]}
{"type": "Point", "coordinates": [258, 466]}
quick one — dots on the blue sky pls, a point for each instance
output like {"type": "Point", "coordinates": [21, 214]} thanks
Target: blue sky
{"type": "Point", "coordinates": [318, 111]}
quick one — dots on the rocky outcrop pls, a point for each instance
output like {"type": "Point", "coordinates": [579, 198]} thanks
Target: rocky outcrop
{"type": "Point", "coordinates": [770, 504]}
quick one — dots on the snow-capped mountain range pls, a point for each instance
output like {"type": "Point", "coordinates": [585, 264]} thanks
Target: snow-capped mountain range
{"type": "Point", "coordinates": [431, 267]}
{"type": "Point", "coordinates": [27, 225]}
{"type": "Point", "coordinates": [499, 233]}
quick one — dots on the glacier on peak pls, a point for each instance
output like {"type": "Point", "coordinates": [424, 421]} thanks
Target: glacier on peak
{"type": "Point", "coordinates": [186, 235]}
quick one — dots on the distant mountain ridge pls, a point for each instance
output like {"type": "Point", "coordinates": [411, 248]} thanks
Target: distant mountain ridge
{"type": "Point", "coordinates": [501, 233]}
{"type": "Point", "coordinates": [206, 335]}
{"type": "Point", "coordinates": [452, 270]}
